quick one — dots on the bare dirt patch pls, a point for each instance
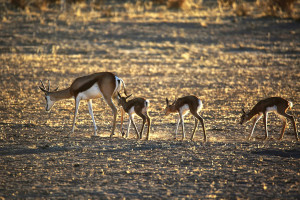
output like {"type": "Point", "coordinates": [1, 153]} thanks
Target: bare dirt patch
{"type": "Point", "coordinates": [227, 61]}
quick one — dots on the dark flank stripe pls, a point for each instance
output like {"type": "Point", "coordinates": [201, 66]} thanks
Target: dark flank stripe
{"type": "Point", "coordinates": [82, 84]}
{"type": "Point", "coordinates": [191, 101]}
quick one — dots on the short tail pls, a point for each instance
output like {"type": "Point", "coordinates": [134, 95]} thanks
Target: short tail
{"type": "Point", "coordinates": [147, 103]}
{"type": "Point", "coordinates": [290, 104]}
{"type": "Point", "coordinates": [119, 80]}
{"type": "Point", "coordinates": [200, 105]}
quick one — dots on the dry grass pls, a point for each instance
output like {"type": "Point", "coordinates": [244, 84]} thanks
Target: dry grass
{"type": "Point", "coordinates": [175, 4]}
{"type": "Point", "coordinates": [241, 9]}
{"type": "Point", "coordinates": [277, 7]}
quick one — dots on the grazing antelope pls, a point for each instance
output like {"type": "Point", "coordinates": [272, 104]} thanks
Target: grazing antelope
{"type": "Point", "coordinates": [88, 87]}
{"type": "Point", "coordinates": [263, 107]}
{"type": "Point", "coordinates": [134, 106]}
{"type": "Point", "coordinates": [183, 106]}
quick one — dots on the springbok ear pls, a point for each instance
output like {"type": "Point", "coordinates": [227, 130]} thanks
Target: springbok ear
{"type": "Point", "coordinates": [174, 102]}
{"type": "Point", "coordinates": [167, 101]}
{"type": "Point", "coordinates": [128, 96]}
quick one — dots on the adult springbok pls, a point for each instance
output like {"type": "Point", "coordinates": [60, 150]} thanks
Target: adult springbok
{"type": "Point", "coordinates": [88, 87]}
{"type": "Point", "coordinates": [263, 107]}
{"type": "Point", "coordinates": [183, 106]}
{"type": "Point", "coordinates": [134, 106]}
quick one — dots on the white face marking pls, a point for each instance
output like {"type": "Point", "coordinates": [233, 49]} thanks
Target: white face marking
{"type": "Point", "coordinates": [184, 109]}
{"type": "Point", "coordinates": [92, 93]}
{"type": "Point", "coordinates": [271, 109]}
{"type": "Point", "coordinates": [49, 103]}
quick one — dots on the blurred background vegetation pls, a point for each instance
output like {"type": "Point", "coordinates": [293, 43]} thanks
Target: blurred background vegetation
{"type": "Point", "coordinates": [108, 8]}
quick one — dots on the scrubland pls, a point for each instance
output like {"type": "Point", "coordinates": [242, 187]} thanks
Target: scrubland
{"type": "Point", "coordinates": [229, 62]}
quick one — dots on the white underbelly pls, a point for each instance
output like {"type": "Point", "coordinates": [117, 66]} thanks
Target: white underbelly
{"type": "Point", "coordinates": [91, 93]}
{"type": "Point", "coordinates": [131, 111]}
{"type": "Point", "coordinates": [271, 109]}
{"type": "Point", "coordinates": [184, 109]}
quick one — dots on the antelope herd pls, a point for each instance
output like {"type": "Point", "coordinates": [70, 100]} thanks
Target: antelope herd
{"type": "Point", "coordinates": [108, 86]}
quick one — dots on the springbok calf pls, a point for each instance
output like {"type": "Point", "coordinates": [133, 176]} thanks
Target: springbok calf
{"type": "Point", "coordinates": [183, 106]}
{"type": "Point", "coordinates": [89, 87]}
{"type": "Point", "coordinates": [134, 106]}
{"type": "Point", "coordinates": [263, 107]}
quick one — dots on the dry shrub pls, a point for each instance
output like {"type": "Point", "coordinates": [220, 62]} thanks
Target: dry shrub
{"type": "Point", "coordinates": [226, 3]}
{"type": "Point", "coordinates": [107, 12]}
{"type": "Point", "coordinates": [175, 4]}
{"type": "Point", "coordinates": [276, 7]}
{"type": "Point", "coordinates": [240, 9]}
{"type": "Point", "coordinates": [19, 3]}
{"type": "Point", "coordinates": [40, 4]}
{"type": "Point", "coordinates": [172, 4]}
{"type": "Point", "coordinates": [160, 2]}
{"type": "Point", "coordinates": [238, 6]}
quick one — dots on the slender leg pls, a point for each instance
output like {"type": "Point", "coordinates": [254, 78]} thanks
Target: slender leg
{"type": "Point", "coordinates": [182, 123]}
{"type": "Point", "coordinates": [198, 117]}
{"type": "Point", "coordinates": [149, 124]}
{"type": "Point", "coordinates": [283, 119]}
{"type": "Point", "coordinates": [178, 121]}
{"type": "Point", "coordinates": [203, 126]}
{"type": "Point", "coordinates": [129, 123]}
{"type": "Point", "coordinates": [253, 126]}
{"type": "Point", "coordinates": [266, 125]}
{"type": "Point", "coordinates": [204, 131]}
{"type": "Point", "coordinates": [195, 127]}
{"type": "Point", "coordinates": [144, 121]}
{"type": "Point", "coordinates": [290, 117]}
{"type": "Point", "coordinates": [114, 110]}
{"type": "Point", "coordinates": [92, 115]}
{"type": "Point", "coordinates": [122, 119]}
{"type": "Point", "coordinates": [77, 102]}
{"type": "Point", "coordinates": [137, 133]}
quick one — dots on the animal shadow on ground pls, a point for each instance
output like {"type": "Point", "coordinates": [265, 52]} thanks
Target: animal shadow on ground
{"type": "Point", "coordinates": [282, 153]}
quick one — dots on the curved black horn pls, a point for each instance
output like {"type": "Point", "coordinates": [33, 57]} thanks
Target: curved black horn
{"type": "Point", "coordinates": [42, 84]}
{"type": "Point", "coordinates": [43, 89]}
{"type": "Point", "coordinates": [128, 96]}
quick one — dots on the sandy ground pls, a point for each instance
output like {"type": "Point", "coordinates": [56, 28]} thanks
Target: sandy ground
{"type": "Point", "coordinates": [229, 62]}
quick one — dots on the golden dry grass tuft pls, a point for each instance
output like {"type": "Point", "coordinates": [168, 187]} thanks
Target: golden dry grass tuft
{"type": "Point", "coordinates": [241, 9]}
{"type": "Point", "coordinates": [175, 4]}
{"type": "Point", "coordinates": [277, 7]}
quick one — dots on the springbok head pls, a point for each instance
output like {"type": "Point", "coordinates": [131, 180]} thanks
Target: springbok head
{"type": "Point", "coordinates": [243, 117]}
{"type": "Point", "coordinates": [169, 107]}
{"type": "Point", "coordinates": [122, 100]}
{"type": "Point", "coordinates": [49, 102]}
